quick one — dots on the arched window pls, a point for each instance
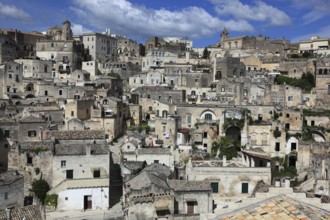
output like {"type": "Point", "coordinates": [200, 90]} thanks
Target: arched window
{"type": "Point", "coordinates": [320, 71]}
{"type": "Point", "coordinates": [164, 114]}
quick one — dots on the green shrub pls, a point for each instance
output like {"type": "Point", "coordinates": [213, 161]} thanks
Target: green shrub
{"type": "Point", "coordinates": [40, 188]}
{"type": "Point", "coordinates": [51, 200]}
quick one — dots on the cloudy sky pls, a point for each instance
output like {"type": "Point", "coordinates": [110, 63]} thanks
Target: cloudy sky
{"type": "Point", "coordinates": [200, 20]}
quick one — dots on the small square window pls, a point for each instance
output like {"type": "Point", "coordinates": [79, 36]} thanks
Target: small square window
{"type": "Point", "coordinates": [215, 187]}
{"type": "Point", "coordinates": [69, 174]}
{"type": "Point", "coordinates": [63, 163]}
{"type": "Point", "coordinates": [245, 187]}
{"type": "Point", "coordinates": [97, 174]}
{"type": "Point", "coordinates": [66, 198]}
{"type": "Point", "coordinates": [7, 133]}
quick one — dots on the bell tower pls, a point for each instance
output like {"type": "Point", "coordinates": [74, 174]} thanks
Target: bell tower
{"type": "Point", "coordinates": [224, 35]}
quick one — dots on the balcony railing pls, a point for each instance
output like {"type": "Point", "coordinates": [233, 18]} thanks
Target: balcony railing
{"type": "Point", "coordinates": [65, 60]}
{"type": "Point", "coordinates": [66, 70]}
{"type": "Point", "coordinates": [207, 121]}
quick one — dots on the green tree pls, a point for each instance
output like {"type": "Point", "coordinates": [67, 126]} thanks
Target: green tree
{"type": "Point", "coordinates": [206, 53]}
{"type": "Point", "coordinates": [40, 188]}
{"type": "Point", "coordinates": [227, 146]}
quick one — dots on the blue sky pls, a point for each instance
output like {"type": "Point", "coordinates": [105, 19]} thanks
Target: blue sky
{"type": "Point", "coordinates": [200, 20]}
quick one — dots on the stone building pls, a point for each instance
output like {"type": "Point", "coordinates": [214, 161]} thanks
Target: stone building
{"type": "Point", "coordinates": [322, 85]}
{"type": "Point", "coordinates": [150, 195]}
{"type": "Point", "coordinates": [11, 190]}
{"type": "Point", "coordinates": [227, 178]}
{"type": "Point", "coordinates": [81, 174]}
{"type": "Point", "coordinates": [228, 67]}
{"type": "Point", "coordinates": [61, 33]}
{"type": "Point", "coordinates": [101, 47]}
{"type": "Point", "coordinates": [9, 133]}
{"type": "Point", "coordinates": [67, 56]}
{"type": "Point", "coordinates": [33, 159]}
{"type": "Point", "coordinates": [315, 45]}
{"type": "Point", "coordinates": [127, 47]}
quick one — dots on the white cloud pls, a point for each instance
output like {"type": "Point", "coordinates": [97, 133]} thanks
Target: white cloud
{"type": "Point", "coordinates": [79, 29]}
{"type": "Point", "coordinates": [139, 22]}
{"type": "Point", "coordinates": [317, 9]}
{"type": "Point", "coordinates": [260, 11]}
{"type": "Point", "coordinates": [323, 32]}
{"type": "Point", "coordinates": [13, 12]}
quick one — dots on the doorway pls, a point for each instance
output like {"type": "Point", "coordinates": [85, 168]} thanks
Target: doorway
{"type": "Point", "coordinates": [87, 202]}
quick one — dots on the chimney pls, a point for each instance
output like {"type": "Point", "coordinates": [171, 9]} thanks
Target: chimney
{"type": "Point", "coordinates": [8, 212]}
{"type": "Point", "coordinates": [224, 161]}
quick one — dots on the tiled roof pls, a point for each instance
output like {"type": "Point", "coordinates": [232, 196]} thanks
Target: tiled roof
{"type": "Point", "coordinates": [31, 212]}
{"type": "Point", "coordinates": [157, 169]}
{"type": "Point", "coordinates": [80, 149]}
{"type": "Point", "coordinates": [145, 180]}
{"type": "Point", "coordinates": [32, 145]}
{"type": "Point", "coordinates": [32, 119]}
{"type": "Point", "coordinates": [9, 177]}
{"type": "Point", "coordinates": [133, 165]}
{"type": "Point", "coordinates": [256, 153]}
{"type": "Point", "coordinates": [154, 150]}
{"type": "Point", "coordinates": [76, 135]}
{"type": "Point", "coordinates": [189, 185]}
{"type": "Point", "coordinates": [279, 207]}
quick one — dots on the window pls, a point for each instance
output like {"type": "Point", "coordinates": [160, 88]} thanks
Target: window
{"type": "Point", "coordinates": [72, 113]}
{"type": "Point", "coordinates": [52, 45]}
{"type": "Point", "coordinates": [176, 207]}
{"type": "Point", "coordinates": [287, 126]}
{"type": "Point", "coordinates": [97, 173]}
{"type": "Point", "coordinates": [60, 92]}
{"type": "Point", "coordinates": [208, 116]}
{"type": "Point", "coordinates": [32, 133]}
{"type": "Point", "coordinates": [277, 146]}
{"type": "Point", "coordinates": [215, 187]}
{"type": "Point", "coordinates": [312, 123]}
{"type": "Point", "coordinates": [69, 174]}
{"type": "Point", "coordinates": [288, 115]}
{"type": "Point", "coordinates": [245, 188]}
{"type": "Point", "coordinates": [156, 161]}
{"type": "Point", "coordinates": [222, 89]}
{"type": "Point", "coordinates": [63, 163]}
{"type": "Point", "coordinates": [328, 89]}
{"type": "Point", "coordinates": [189, 119]}
{"type": "Point", "coordinates": [290, 98]}
{"type": "Point", "coordinates": [7, 133]}
{"type": "Point", "coordinates": [28, 160]}
{"type": "Point", "coordinates": [6, 195]}
{"type": "Point", "coordinates": [205, 135]}
{"type": "Point", "coordinates": [293, 146]}
{"type": "Point", "coordinates": [10, 76]}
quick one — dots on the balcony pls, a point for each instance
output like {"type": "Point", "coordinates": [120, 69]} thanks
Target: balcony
{"type": "Point", "coordinates": [192, 98]}
{"type": "Point", "coordinates": [30, 92]}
